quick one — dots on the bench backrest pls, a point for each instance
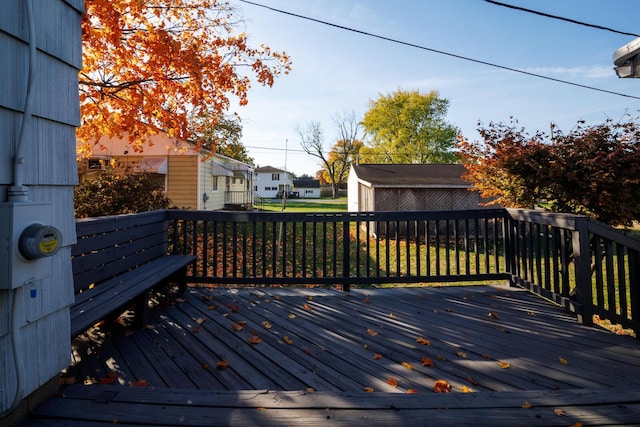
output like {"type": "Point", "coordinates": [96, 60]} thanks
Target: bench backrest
{"type": "Point", "coordinates": [109, 246]}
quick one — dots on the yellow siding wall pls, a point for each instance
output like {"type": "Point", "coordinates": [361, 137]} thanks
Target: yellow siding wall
{"type": "Point", "coordinates": [182, 181]}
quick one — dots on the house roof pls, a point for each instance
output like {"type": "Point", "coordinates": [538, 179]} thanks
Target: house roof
{"type": "Point", "coordinates": [412, 175]}
{"type": "Point", "coordinates": [306, 183]}
{"type": "Point", "coordinates": [268, 169]}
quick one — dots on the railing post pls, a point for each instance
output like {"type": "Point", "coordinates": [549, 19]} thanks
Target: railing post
{"type": "Point", "coordinates": [582, 261]}
{"type": "Point", "coordinates": [634, 285]}
{"type": "Point", "coordinates": [346, 262]}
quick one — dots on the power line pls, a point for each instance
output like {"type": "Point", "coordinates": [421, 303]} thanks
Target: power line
{"type": "Point", "coordinates": [453, 55]}
{"type": "Point", "coordinates": [560, 18]}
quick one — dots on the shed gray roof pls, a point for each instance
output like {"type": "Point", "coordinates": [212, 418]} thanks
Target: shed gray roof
{"type": "Point", "coordinates": [306, 183]}
{"type": "Point", "coordinates": [412, 175]}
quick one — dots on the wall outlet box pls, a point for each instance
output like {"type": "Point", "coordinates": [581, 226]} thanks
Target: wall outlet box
{"type": "Point", "coordinates": [15, 217]}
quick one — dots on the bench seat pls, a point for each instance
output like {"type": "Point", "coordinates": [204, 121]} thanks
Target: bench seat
{"type": "Point", "coordinates": [117, 293]}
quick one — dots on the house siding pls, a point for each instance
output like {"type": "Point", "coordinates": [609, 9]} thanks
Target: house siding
{"type": "Point", "coordinates": [182, 182]}
{"type": "Point", "coordinates": [49, 168]}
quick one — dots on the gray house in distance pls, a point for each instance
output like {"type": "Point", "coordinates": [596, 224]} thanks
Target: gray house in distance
{"type": "Point", "coordinates": [409, 187]}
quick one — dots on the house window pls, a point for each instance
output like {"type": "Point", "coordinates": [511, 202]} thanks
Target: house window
{"type": "Point", "coordinates": [275, 177]}
{"type": "Point", "coordinates": [215, 183]}
{"type": "Point", "coordinates": [255, 188]}
{"type": "Point", "coordinates": [308, 191]}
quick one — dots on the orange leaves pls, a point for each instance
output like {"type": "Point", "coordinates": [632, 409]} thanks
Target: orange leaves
{"type": "Point", "coordinates": [504, 365]}
{"type": "Point", "coordinates": [407, 365]}
{"type": "Point", "coordinates": [222, 365]}
{"type": "Point", "coordinates": [426, 361]}
{"type": "Point", "coordinates": [307, 307]}
{"type": "Point", "coordinates": [392, 381]}
{"type": "Point", "coordinates": [371, 332]}
{"type": "Point", "coordinates": [441, 386]}
{"type": "Point", "coordinates": [287, 340]}
{"type": "Point", "coordinates": [377, 356]}
{"type": "Point", "coordinates": [266, 324]}
{"type": "Point", "coordinates": [109, 379]}
{"type": "Point", "coordinates": [461, 354]}
{"type": "Point", "coordinates": [368, 389]}
{"type": "Point", "coordinates": [254, 339]}
{"type": "Point", "coordinates": [140, 383]}
{"type": "Point", "coordinates": [423, 341]}
{"type": "Point", "coordinates": [563, 360]}
{"type": "Point", "coordinates": [138, 77]}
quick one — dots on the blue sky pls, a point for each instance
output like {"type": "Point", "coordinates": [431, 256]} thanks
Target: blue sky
{"type": "Point", "coordinates": [336, 71]}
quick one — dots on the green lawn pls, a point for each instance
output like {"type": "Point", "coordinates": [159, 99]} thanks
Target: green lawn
{"type": "Point", "coordinates": [303, 205]}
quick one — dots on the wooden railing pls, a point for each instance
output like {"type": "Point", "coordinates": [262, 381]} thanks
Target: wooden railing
{"type": "Point", "coordinates": [584, 265]}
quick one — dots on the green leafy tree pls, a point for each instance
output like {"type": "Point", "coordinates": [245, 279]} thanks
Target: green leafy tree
{"type": "Point", "coordinates": [409, 127]}
{"type": "Point", "coordinates": [113, 194]}
{"type": "Point", "coordinates": [593, 170]}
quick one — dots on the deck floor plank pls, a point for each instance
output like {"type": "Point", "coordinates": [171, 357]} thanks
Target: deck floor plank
{"type": "Point", "coordinates": [318, 378]}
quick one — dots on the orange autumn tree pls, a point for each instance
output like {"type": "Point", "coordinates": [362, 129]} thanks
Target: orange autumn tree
{"type": "Point", "coordinates": [172, 66]}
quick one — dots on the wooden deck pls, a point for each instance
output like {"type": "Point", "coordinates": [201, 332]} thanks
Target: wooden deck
{"type": "Point", "coordinates": [510, 357]}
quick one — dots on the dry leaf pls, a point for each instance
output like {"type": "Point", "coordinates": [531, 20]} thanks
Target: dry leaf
{"type": "Point", "coordinates": [221, 365]}
{"type": "Point", "coordinates": [423, 341]}
{"type": "Point", "coordinates": [254, 339]}
{"type": "Point", "coordinates": [563, 360]}
{"type": "Point", "coordinates": [393, 316]}
{"type": "Point", "coordinates": [466, 389]}
{"type": "Point", "coordinates": [307, 351]}
{"type": "Point", "coordinates": [371, 332]}
{"type": "Point", "coordinates": [292, 316]}
{"type": "Point", "coordinates": [237, 327]}
{"type": "Point", "coordinates": [266, 324]}
{"type": "Point", "coordinates": [407, 365]}
{"type": "Point", "coordinates": [411, 391]}
{"type": "Point", "coordinates": [150, 326]}
{"type": "Point", "coordinates": [559, 412]}
{"type": "Point", "coordinates": [441, 386]}
{"type": "Point", "coordinates": [287, 340]}
{"type": "Point", "coordinates": [493, 315]}
{"type": "Point", "coordinates": [369, 389]}
{"type": "Point", "coordinates": [197, 329]}
{"type": "Point", "coordinates": [577, 424]}
{"type": "Point", "coordinates": [366, 300]}
{"type": "Point", "coordinates": [527, 405]}
{"type": "Point", "coordinates": [392, 381]}
{"type": "Point", "coordinates": [487, 356]}
{"type": "Point", "coordinates": [461, 354]}
{"type": "Point", "coordinates": [310, 390]}
{"type": "Point", "coordinates": [205, 365]}
{"type": "Point", "coordinates": [377, 356]}
{"type": "Point", "coordinates": [441, 358]}
{"type": "Point", "coordinates": [212, 307]}
{"type": "Point", "coordinates": [309, 298]}
{"type": "Point", "coordinates": [306, 307]}
{"type": "Point", "coordinates": [276, 297]}
{"type": "Point", "coordinates": [207, 298]}
{"type": "Point", "coordinates": [109, 379]}
{"type": "Point", "coordinates": [472, 381]}
{"type": "Point", "coordinates": [140, 383]}
{"type": "Point", "coordinates": [504, 365]}
{"type": "Point", "coordinates": [448, 309]}
{"type": "Point", "coordinates": [180, 299]}
{"type": "Point", "coordinates": [427, 362]}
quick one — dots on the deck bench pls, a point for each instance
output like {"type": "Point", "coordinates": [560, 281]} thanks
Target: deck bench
{"type": "Point", "coordinates": [116, 262]}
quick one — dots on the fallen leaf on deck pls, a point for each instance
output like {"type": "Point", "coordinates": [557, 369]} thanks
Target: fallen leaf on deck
{"type": "Point", "coordinates": [487, 356]}
{"type": "Point", "coordinates": [577, 424]}
{"type": "Point", "coordinates": [254, 340]}
{"type": "Point", "coordinates": [234, 308]}
{"type": "Point", "coordinates": [212, 307]}
{"type": "Point", "coordinates": [306, 307]}
{"type": "Point", "coordinates": [392, 381]}
{"type": "Point", "coordinates": [377, 356]}
{"type": "Point", "coordinates": [407, 365]}
{"type": "Point", "coordinates": [276, 297]}
{"type": "Point", "coordinates": [504, 365]}
{"type": "Point", "coordinates": [393, 316]}
{"type": "Point", "coordinates": [461, 354]}
{"type": "Point", "coordinates": [563, 360]}
{"type": "Point", "coordinates": [266, 324]}
{"type": "Point", "coordinates": [307, 351]}
{"type": "Point", "coordinates": [441, 386]}
{"type": "Point", "coordinates": [369, 389]}
{"type": "Point", "coordinates": [199, 320]}
{"type": "Point", "coordinates": [493, 315]}
{"type": "Point", "coordinates": [292, 316]}
{"type": "Point", "coordinates": [237, 327]}
{"type": "Point", "coordinates": [205, 365]}
{"type": "Point", "coordinates": [310, 390]}
{"type": "Point", "coordinates": [427, 362]}
{"type": "Point", "coordinates": [527, 405]}
{"type": "Point", "coordinates": [411, 391]}
{"type": "Point", "coordinates": [140, 383]}
{"type": "Point", "coordinates": [109, 379]}
{"type": "Point", "coordinates": [261, 408]}
{"type": "Point", "coordinates": [472, 381]}
{"type": "Point", "coordinates": [180, 299]}
{"type": "Point", "coordinates": [559, 412]}
{"type": "Point", "coordinates": [207, 298]}
{"type": "Point", "coordinates": [448, 309]}
{"type": "Point", "coordinates": [371, 332]}
{"type": "Point", "coordinates": [423, 341]}
{"type": "Point", "coordinates": [441, 357]}
{"type": "Point", "coordinates": [287, 340]}
{"type": "Point", "coordinates": [466, 389]}
{"type": "Point", "coordinates": [197, 329]}
{"type": "Point", "coordinates": [366, 300]}
{"type": "Point", "coordinates": [150, 326]}
{"type": "Point", "coordinates": [309, 298]}
{"type": "Point", "coordinates": [221, 365]}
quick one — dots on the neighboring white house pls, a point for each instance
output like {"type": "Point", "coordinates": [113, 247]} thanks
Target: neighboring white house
{"type": "Point", "coordinates": [270, 182]}
{"type": "Point", "coordinates": [192, 178]}
{"type": "Point", "coordinates": [307, 188]}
